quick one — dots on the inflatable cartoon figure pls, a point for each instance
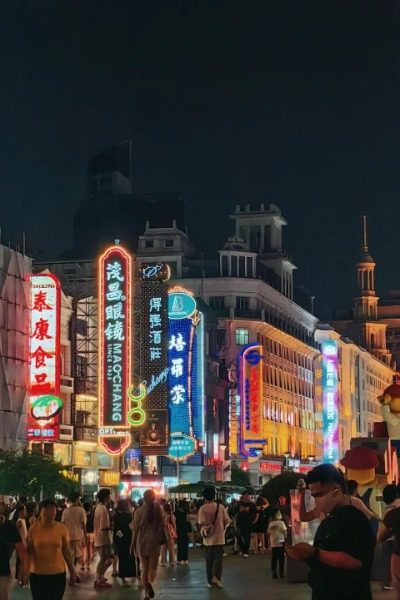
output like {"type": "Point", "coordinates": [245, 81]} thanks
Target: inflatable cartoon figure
{"type": "Point", "coordinates": [361, 463]}
{"type": "Point", "coordinates": [390, 401]}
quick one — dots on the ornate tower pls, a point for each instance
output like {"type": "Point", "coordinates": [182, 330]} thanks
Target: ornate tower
{"type": "Point", "coordinates": [368, 332]}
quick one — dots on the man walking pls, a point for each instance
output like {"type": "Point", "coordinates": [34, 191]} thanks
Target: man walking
{"type": "Point", "coordinates": [74, 518]}
{"type": "Point", "coordinates": [102, 537]}
{"type": "Point", "coordinates": [213, 519]}
{"type": "Point", "coordinates": [342, 555]}
{"type": "Point", "coordinates": [391, 527]}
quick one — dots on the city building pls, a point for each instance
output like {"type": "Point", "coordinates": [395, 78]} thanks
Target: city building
{"type": "Point", "coordinates": [361, 378]}
{"type": "Point", "coordinates": [363, 323]}
{"type": "Point", "coordinates": [249, 294]}
{"type": "Point", "coordinates": [15, 268]}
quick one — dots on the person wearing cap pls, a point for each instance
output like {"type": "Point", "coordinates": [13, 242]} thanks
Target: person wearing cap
{"type": "Point", "coordinates": [341, 557]}
{"type": "Point", "coordinates": [360, 464]}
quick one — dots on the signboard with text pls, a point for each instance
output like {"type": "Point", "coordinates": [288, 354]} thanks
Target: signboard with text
{"type": "Point", "coordinates": [154, 433]}
{"type": "Point", "coordinates": [114, 349]}
{"type": "Point", "coordinates": [44, 359]}
{"type": "Point", "coordinates": [251, 399]}
{"type": "Point", "coordinates": [330, 410]}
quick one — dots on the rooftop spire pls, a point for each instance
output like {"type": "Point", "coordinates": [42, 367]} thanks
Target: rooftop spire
{"type": "Point", "coordinates": [365, 245]}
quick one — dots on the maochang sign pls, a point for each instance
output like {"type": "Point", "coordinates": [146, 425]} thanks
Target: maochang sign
{"type": "Point", "coordinates": [114, 349]}
{"type": "Point", "coordinates": [251, 399]}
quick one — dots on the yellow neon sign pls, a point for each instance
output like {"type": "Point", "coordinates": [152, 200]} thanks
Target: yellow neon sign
{"type": "Point", "coordinates": [136, 414]}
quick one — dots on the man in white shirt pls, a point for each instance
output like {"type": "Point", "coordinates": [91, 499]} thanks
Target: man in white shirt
{"type": "Point", "coordinates": [74, 518]}
{"type": "Point", "coordinates": [102, 537]}
{"type": "Point", "coordinates": [213, 519]}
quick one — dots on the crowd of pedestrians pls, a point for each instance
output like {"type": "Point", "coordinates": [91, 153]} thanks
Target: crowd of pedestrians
{"type": "Point", "coordinates": [132, 541]}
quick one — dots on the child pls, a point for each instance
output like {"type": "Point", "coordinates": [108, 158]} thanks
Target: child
{"type": "Point", "coordinates": [244, 522]}
{"type": "Point", "coordinates": [277, 532]}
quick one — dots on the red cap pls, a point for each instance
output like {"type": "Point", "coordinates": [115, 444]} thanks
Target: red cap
{"type": "Point", "coordinates": [360, 457]}
{"type": "Point", "coordinates": [393, 390]}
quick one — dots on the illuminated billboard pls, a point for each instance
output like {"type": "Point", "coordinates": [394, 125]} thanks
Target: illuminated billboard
{"type": "Point", "coordinates": [44, 359]}
{"type": "Point", "coordinates": [251, 399]}
{"type": "Point", "coordinates": [115, 306]}
{"type": "Point", "coordinates": [330, 413]}
{"type": "Point", "coordinates": [154, 433]}
{"type": "Point", "coordinates": [186, 373]}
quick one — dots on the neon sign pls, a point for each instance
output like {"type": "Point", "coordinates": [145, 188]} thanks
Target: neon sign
{"type": "Point", "coordinates": [44, 357]}
{"type": "Point", "coordinates": [330, 401]}
{"type": "Point", "coordinates": [251, 397]}
{"type": "Point", "coordinates": [154, 359]}
{"type": "Point", "coordinates": [136, 414]}
{"type": "Point", "coordinates": [114, 349]}
{"type": "Point", "coordinates": [186, 373]}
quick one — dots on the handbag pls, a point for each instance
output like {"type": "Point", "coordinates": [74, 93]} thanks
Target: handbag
{"type": "Point", "coordinates": [208, 530]}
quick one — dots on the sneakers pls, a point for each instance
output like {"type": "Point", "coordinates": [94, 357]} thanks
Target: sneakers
{"type": "Point", "coordinates": [210, 585]}
{"type": "Point", "coordinates": [245, 556]}
{"type": "Point", "coordinates": [217, 583]}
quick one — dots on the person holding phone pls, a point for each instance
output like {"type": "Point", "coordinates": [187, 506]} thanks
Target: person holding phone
{"type": "Point", "coordinates": [341, 558]}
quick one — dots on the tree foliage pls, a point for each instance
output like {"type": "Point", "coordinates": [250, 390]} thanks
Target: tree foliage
{"type": "Point", "coordinates": [280, 486]}
{"type": "Point", "coordinates": [238, 476]}
{"type": "Point", "coordinates": [32, 474]}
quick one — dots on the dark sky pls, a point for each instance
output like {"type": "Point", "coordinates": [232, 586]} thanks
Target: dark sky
{"type": "Point", "coordinates": [296, 103]}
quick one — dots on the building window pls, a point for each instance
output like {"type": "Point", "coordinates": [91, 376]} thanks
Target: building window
{"type": "Point", "coordinates": [224, 266]}
{"type": "Point", "coordinates": [234, 266]}
{"type": "Point", "coordinates": [217, 302]}
{"type": "Point", "coordinates": [242, 336]}
{"type": "Point", "coordinates": [250, 267]}
{"type": "Point", "coordinates": [81, 367]}
{"type": "Point", "coordinates": [149, 243]}
{"type": "Point", "coordinates": [169, 243]}
{"type": "Point", "coordinates": [242, 303]}
{"type": "Point", "coordinates": [81, 327]}
{"type": "Point", "coordinates": [242, 266]}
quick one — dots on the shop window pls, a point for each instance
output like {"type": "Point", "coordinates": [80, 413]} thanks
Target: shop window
{"type": "Point", "coordinates": [242, 336]}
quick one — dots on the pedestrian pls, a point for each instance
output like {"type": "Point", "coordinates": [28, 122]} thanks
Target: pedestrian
{"type": "Point", "coordinates": [102, 537]}
{"type": "Point", "coordinates": [148, 537]}
{"type": "Point", "coordinates": [390, 494]}
{"type": "Point", "coordinates": [123, 540]}
{"type": "Point", "coordinates": [74, 518]}
{"type": "Point", "coordinates": [183, 527]}
{"type": "Point", "coordinates": [22, 563]}
{"type": "Point", "coordinates": [390, 527]}
{"type": "Point", "coordinates": [260, 524]}
{"type": "Point", "coordinates": [277, 532]}
{"type": "Point", "coordinates": [8, 537]}
{"type": "Point", "coordinates": [170, 534]}
{"type": "Point", "coordinates": [341, 558]}
{"type": "Point", "coordinates": [89, 546]}
{"type": "Point", "coordinates": [244, 524]}
{"type": "Point", "coordinates": [49, 551]}
{"type": "Point", "coordinates": [213, 519]}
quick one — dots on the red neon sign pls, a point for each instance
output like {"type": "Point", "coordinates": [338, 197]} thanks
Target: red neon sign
{"type": "Point", "coordinates": [114, 349]}
{"type": "Point", "coordinates": [44, 355]}
{"type": "Point", "coordinates": [251, 397]}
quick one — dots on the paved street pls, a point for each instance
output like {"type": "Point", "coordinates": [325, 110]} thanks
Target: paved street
{"type": "Point", "coordinates": [244, 579]}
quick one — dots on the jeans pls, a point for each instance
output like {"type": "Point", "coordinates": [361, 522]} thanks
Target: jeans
{"type": "Point", "coordinates": [278, 557]}
{"type": "Point", "coordinates": [47, 587]}
{"type": "Point", "coordinates": [213, 561]}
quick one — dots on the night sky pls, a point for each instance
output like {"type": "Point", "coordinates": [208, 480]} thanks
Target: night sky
{"type": "Point", "coordinates": [296, 103]}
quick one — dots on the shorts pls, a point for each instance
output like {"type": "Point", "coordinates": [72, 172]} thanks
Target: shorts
{"type": "Point", "coordinates": [105, 552]}
{"type": "Point", "coordinates": [76, 548]}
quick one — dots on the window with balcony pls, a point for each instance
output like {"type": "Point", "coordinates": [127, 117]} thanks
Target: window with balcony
{"type": "Point", "coordinates": [217, 302]}
{"type": "Point", "coordinates": [242, 336]}
{"type": "Point", "coordinates": [242, 303]}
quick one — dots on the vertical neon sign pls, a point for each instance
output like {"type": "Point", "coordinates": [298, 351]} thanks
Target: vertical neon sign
{"type": "Point", "coordinates": [251, 399]}
{"type": "Point", "coordinates": [44, 357]}
{"type": "Point", "coordinates": [330, 401]}
{"type": "Point", "coordinates": [114, 349]}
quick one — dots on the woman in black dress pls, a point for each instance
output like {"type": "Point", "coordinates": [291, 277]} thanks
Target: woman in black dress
{"type": "Point", "coordinates": [122, 541]}
{"type": "Point", "coordinates": [182, 529]}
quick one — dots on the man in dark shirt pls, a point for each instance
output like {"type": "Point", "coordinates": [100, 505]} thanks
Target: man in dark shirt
{"type": "Point", "coordinates": [342, 555]}
{"type": "Point", "coordinates": [389, 527]}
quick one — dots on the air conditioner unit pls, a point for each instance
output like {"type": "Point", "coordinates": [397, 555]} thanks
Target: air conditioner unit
{"type": "Point", "coordinates": [66, 433]}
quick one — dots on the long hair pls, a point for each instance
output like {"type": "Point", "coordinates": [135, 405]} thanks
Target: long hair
{"type": "Point", "coordinates": [151, 509]}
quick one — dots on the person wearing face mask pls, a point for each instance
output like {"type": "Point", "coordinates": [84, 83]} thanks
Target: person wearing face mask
{"type": "Point", "coordinates": [341, 558]}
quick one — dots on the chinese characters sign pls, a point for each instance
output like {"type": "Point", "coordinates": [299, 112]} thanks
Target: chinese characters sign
{"type": "Point", "coordinates": [330, 401]}
{"type": "Point", "coordinates": [44, 358]}
{"type": "Point", "coordinates": [154, 359]}
{"type": "Point", "coordinates": [251, 398]}
{"type": "Point", "coordinates": [186, 376]}
{"type": "Point", "coordinates": [114, 348]}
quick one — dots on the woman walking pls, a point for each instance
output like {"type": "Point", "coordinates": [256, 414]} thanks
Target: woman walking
{"type": "Point", "coordinates": [21, 546]}
{"type": "Point", "coordinates": [48, 548]}
{"type": "Point", "coordinates": [148, 537]}
{"type": "Point", "coordinates": [170, 534]}
{"type": "Point", "coordinates": [89, 546]}
{"type": "Point", "coordinates": [123, 541]}
{"type": "Point", "coordinates": [182, 529]}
